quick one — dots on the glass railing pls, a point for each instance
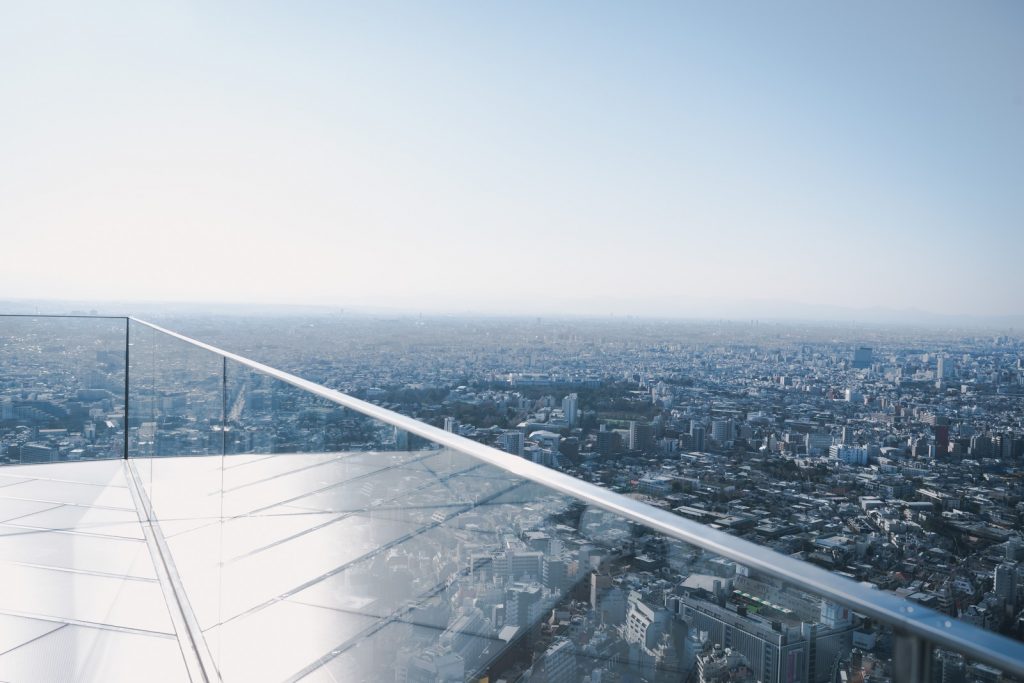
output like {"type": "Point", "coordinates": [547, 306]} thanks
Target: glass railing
{"type": "Point", "coordinates": [307, 535]}
{"type": "Point", "coordinates": [62, 388]}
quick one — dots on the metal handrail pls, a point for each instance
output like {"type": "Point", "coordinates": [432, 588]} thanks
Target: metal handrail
{"type": "Point", "coordinates": [907, 619]}
{"type": "Point", "coordinates": [65, 315]}
{"type": "Point", "coordinates": [904, 616]}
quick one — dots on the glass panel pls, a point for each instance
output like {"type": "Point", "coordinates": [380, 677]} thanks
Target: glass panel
{"type": "Point", "coordinates": [142, 398]}
{"type": "Point", "coordinates": [177, 407]}
{"type": "Point", "coordinates": [427, 564]}
{"type": "Point", "coordinates": [266, 415]}
{"type": "Point", "coordinates": [325, 545]}
{"type": "Point", "coordinates": [176, 394]}
{"type": "Point", "coordinates": [142, 394]}
{"type": "Point", "coordinates": [61, 389]}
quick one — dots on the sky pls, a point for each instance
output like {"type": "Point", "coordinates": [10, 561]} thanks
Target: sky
{"type": "Point", "coordinates": [553, 157]}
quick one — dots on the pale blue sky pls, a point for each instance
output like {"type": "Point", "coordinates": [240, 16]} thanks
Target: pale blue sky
{"type": "Point", "coordinates": [579, 157]}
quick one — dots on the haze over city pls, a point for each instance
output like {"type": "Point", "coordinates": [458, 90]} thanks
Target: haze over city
{"type": "Point", "coordinates": [532, 342]}
{"type": "Point", "coordinates": [693, 159]}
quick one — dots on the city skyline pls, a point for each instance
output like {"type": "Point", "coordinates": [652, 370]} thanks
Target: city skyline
{"type": "Point", "coordinates": [533, 500]}
{"type": "Point", "coordinates": [575, 342]}
{"type": "Point", "coordinates": [592, 160]}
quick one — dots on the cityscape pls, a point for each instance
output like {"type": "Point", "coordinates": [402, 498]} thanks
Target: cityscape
{"type": "Point", "coordinates": [529, 342]}
{"type": "Point", "coordinates": [891, 456]}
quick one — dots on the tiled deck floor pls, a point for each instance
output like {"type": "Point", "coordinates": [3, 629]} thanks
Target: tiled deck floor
{"type": "Point", "coordinates": [79, 597]}
{"type": "Point", "coordinates": [293, 567]}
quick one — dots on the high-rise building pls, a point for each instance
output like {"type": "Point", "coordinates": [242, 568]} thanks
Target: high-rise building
{"type": "Point", "coordinates": [557, 664]}
{"type": "Point", "coordinates": [607, 442]}
{"type": "Point", "coordinates": [941, 432]}
{"type": "Point", "coordinates": [555, 574]}
{"type": "Point", "coordinates": [948, 667]}
{"type": "Point", "coordinates": [1005, 581]}
{"type": "Point", "coordinates": [571, 409]}
{"type": "Point", "coordinates": [862, 358]}
{"type": "Point", "coordinates": [721, 430]}
{"type": "Point", "coordinates": [451, 425]}
{"type": "Point", "coordinates": [599, 583]}
{"type": "Point", "coordinates": [512, 442]}
{"type": "Point", "coordinates": [981, 446]}
{"type": "Point", "coordinates": [777, 650]}
{"type": "Point", "coordinates": [697, 439]}
{"type": "Point", "coordinates": [944, 367]}
{"type": "Point", "coordinates": [645, 624]}
{"type": "Point", "coordinates": [640, 435]}
{"type": "Point", "coordinates": [522, 604]}
{"type": "Point", "coordinates": [1006, 446]}
{"type": "Point", "coordinates": [607, 600]}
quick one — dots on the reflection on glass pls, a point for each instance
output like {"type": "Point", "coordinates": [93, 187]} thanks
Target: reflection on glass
{"type": "Point", "coordinates": [180, 394]}
{"type": "Point", "coordinates": [305, 541]}
{"type": "Point", "coordinates": [176, 399]}
{"type": "Point", "coordinates": [459, 571]}
{"type": "Point", "coordinates": [266, 415]}
{"type": "Point", "coordinates": [428, 565]}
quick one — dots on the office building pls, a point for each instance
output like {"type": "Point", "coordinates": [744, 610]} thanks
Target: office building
{"type": "Point", "coordinates": [862, 358]}
{"type": "Point", "coordinates": [721, 431]}
{"type": "Point", "coordinates": [697, 439]}
{"type": "Point", "coordinates": [512, 442]}
{"type": "Point", "coordinates": [641, 436]}
{"type": "Point", "coordinates": [608, 442]}
{"type": "Point", "coordinates": [557, 664]}
{"type": "Point", "coordinates": [571, 409]}
{"type": "Point", "coordinates": [779, 648]}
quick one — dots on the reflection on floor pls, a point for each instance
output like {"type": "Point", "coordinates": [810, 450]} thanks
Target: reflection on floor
{"type": "Point", "coordinates": [306, 557]}
{"type": "Point", "coordinates": [291, 567]}
{"type": "Point", "coordinates": [79, 597]}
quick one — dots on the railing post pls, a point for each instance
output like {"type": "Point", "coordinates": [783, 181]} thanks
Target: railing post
{"type": "Point", "coordinates": [911, 658]}
{"type": "Point", "coordinates": [127, 326]}
{"type": "Point", "coordinates": [224, 406]}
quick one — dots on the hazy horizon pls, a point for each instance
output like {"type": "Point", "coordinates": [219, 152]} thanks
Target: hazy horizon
{"type": "Point", "coordinates": [592, 159]}
{"type": "Point", "coordinates": [740, 312]}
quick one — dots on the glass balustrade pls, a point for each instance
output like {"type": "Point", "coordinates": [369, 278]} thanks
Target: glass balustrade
{"type": "Point", "coordinates": [62, 389]}
{"type": "Point", "coordinates": [276, 530]}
